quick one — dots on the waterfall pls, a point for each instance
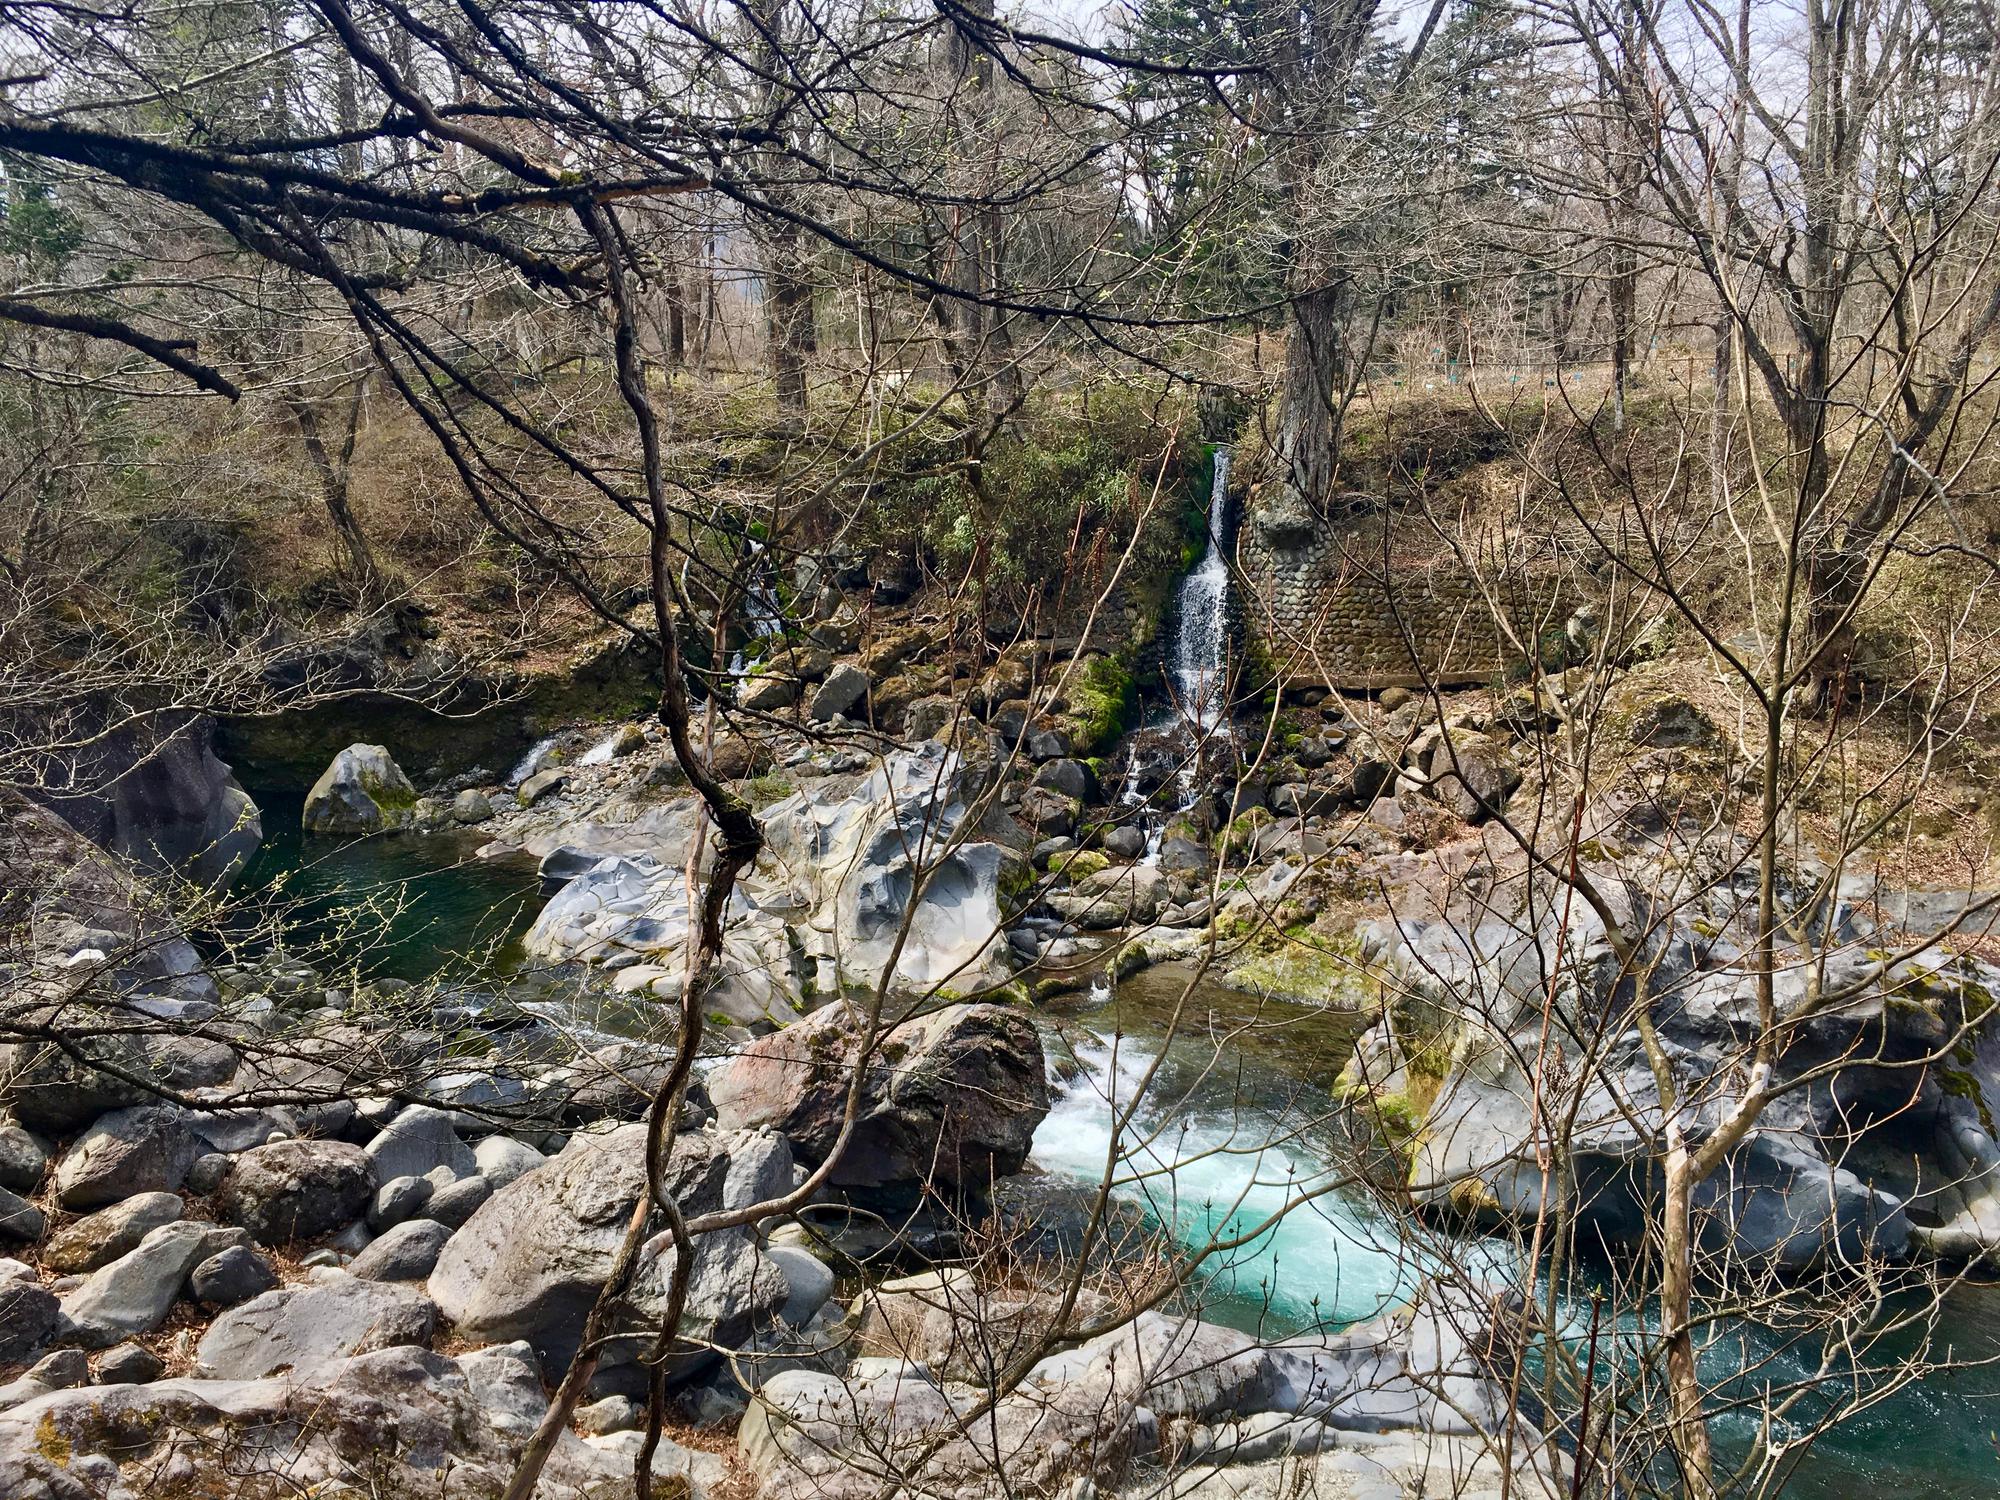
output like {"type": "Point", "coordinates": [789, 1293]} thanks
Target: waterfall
{"type": "Point", "coordinates": [1197, 659]}
{"type": "Point", "coordinates": [761, 615]}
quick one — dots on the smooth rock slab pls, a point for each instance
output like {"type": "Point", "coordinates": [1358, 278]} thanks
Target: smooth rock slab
{"type": "Point", "coordinates": [100, 1238]}
{"type": "Point", "coordinates": [303, 1328]}
{"type": "Point", "coordinates": [134, 1294]}
{"type": "Point", "coordinates": [128, 1151]}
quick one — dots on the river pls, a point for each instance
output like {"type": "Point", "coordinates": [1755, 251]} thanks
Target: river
{"type": "Point", "coordinates": [1239, 1120]}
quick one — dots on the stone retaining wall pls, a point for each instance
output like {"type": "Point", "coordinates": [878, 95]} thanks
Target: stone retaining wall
{"type": "Point", "coordinates": [1325, 608]}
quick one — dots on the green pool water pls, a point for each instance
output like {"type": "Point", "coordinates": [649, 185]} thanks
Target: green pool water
{"type": "Point", "coordinates": [404, 906]}
{"type": "Point", "coordinates": [1245, 1071]}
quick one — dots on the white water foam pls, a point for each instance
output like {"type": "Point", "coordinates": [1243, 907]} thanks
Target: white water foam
{"type": "Point", "coordinates": [1213, 1175]}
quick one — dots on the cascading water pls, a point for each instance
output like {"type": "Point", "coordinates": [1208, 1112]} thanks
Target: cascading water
{"type": "Point", "coordinates": [1198, 658]}
{"type": "Point", "coordinates": [761, 613]}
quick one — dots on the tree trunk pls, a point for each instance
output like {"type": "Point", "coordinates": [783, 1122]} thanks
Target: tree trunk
{"type": "Point", "coordinates": [1308, 435]}
{"type": "Point", "coordinates": [1689, 1427]}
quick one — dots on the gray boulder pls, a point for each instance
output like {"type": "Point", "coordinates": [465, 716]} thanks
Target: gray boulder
{"type": "Point", "coordinates": [845, 686]}
{"type": "Point", "coordinates": [808, 1279]}
{"type": "Point", "coordinates": [144, 1150]}
{"type": "Point", "coordinates": [207, 1173]}
{"type": "Point", "coordinates": [530, 1262]}
{"type": "Point", "coordinates": [1069, 778]}
{"type": "Point", "coordinates": [362, 791]}
{"type": "Point", "coordinates": [951, 1099]}
{"type": "Point", "coordinates": [231, 1276]}
{"type": "Point", "coordinates": [1125, 842]}
{"type": "Point", "coordinates": [407, 1252]}
{"type": "Point", "coordinates": [453, 1205]}
{"type": "Point", "coordinates": [1472, 778]}
{"type": "Point", "coordinates": [398, 1199]}
{"type": "Point", "coordinates": [100, 1238]}
{"type": "Point", "coordinates": [129, 1364]}
{"type": "Point", "coordinates": [500, 1159]}
{"type": "Point", "coordinates": [417, 1141]}
{"type": "Point", "coordinates": [291, 1190]}
{"type": "Point", "coordinates": [304, 1328]}
{"type": "Point", "coordinates": [23, 1159]}
{"type": "Point", "coordinates": [471, 806]}
{"type": "Point", "coordinates": [20, 1220]}
{"type": "Point", "coordinates": [29, 1319]}
{"type": "Point", "coordinates": [134, 1294]}
{"type": "Point", "coordinates": [541, 785]}
{"type": "Point", "coordinates": [766, 694]}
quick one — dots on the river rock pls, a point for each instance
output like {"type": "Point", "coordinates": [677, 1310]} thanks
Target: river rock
{"type": "Point", "coordinates": [23, 1159]}
{"type": "Point", "coordinates": [363, 791]}
{"type": "Point", "coordinates": [301, 1328]}
{"type": "Point", "coordinates": [530, 1262]}
{"type": "Point", "coordinates": [845, 686]}
{"type": "Point", "coordinates": [144, 1150]}
{"type": "Point", "coordinates": [129, 1364]}
{"type": "Point", "coordinates": [417, 1141]}
{"type": "Point", "coordinates": [951, 1098]}
{"type": "Point", "coordinates": [207, 1173]}
{"type": "Point", "coordinates": [406, 1252]}
{"type": "Point", "coordinates": [291, 1190]}
{"type": "Point", "coordinates": [29, 1319]}
{"type": "Point", "coordinates": [454, 1204]}
{"type": "Point", "coordinates": [231, 1276]}
{"type": "Point", "coordinates": [134, 1294]}
{"type": "Point", "coordinates": [1125, 842]}
{"type": "Point", "coordinates": [808, 1279]}
{"type": "Point", "coordinates": [500, 1159]}
{"type": "Point", "coordinates": [20, 1221]}
{"type": "Point", "coordinates": [398, 1199]}
{"type": "Point", "coordinates": [100, 1238]}
{"type": "Point", "coordinates": [471, 806]}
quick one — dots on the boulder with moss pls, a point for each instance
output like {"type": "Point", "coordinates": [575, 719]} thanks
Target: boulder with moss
{"type": "Point", "coordinates": [363, 791]}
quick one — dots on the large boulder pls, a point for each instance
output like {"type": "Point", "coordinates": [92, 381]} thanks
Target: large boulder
{"type": "Point", "coordinates": [362, 791]}
{"type": "Point", "coordinates": [100, 1238]}
{"type": "Point", "coordinates": [950, 1099]}
{"type": "Point", "coordinates": [302, 1328]}
{"type": "Point", "coordinates": [144, 1150]}
{"type": "Point", "coordinates": [850, 864]}
{"type": "Point", "coordinates": [416, 1143]}
{"type": "Point", "coordinates": [29, 1319]}
{"type": "Point", "coordinates": [134, 1294]}
{"type": "Point", "coordinates": [529, 1264]}
{"type": "Point", "coordinates": [293, 1190]}
{"type": "Point", "coordinates": [155, 793]}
